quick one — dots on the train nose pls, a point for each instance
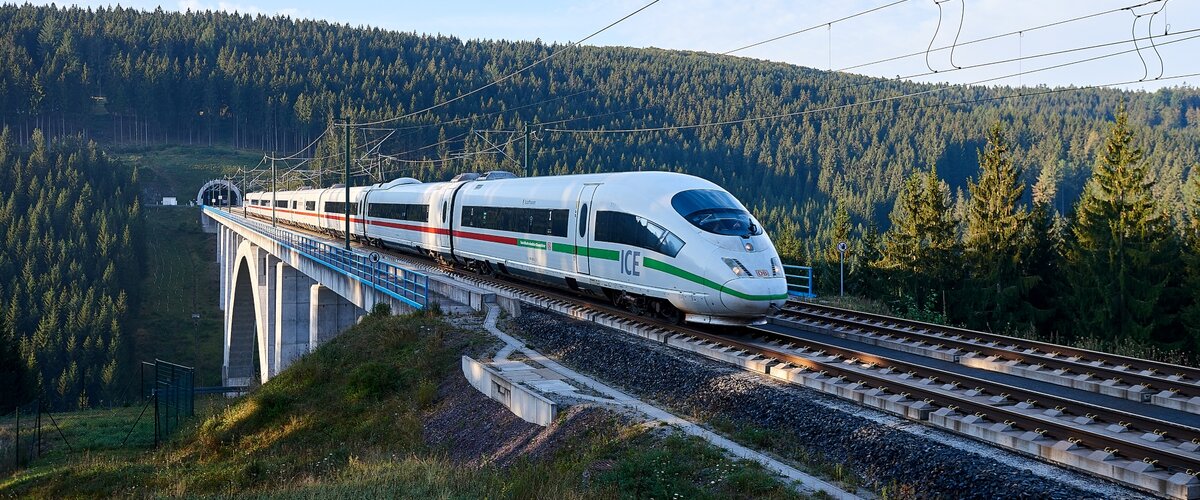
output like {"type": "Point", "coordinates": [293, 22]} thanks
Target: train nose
{"type": "Point", "coordinates": [752, 296]}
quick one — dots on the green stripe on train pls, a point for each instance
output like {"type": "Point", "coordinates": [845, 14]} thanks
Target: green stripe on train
{"type": "Point", "coordinates": [598, 253]}
{"type": "Point", "coordinates": [659, 265]}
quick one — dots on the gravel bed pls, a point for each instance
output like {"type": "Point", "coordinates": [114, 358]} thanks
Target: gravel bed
{"type": "Point", "coordinates": [698, 387]}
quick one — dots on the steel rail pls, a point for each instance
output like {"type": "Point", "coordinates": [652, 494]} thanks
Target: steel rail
{"type": "Point", "coordinates": [1032, 352]}
{"type": "Point", "coordinates": [1045, 347]}
{"type": "Point", "coordinates": [1169, 458]}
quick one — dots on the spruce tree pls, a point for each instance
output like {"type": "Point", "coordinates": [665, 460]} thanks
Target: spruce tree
{"type": "Point", "coordinates": [866, 277]}
{"type": "Point", "coordinates": [994, 242]}
{"type": "Point", "coordinates": [1121, 249]}
{"type": "Point", "coordinates": [922, 249]}
{"type": "Point", "coordinates": [1190, 313]}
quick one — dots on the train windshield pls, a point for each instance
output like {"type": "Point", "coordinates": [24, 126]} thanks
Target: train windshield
{"type": "Point", "coordinates": [715, 211]}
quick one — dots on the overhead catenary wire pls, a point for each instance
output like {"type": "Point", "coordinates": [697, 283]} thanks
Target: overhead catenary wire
{"type": "Point", "coordinates": [813, 27]}
{"type": "Point", "coordinates": [848, 105]}
{"type": "Point", "coordinates": [570, 45]}
{"type": "Point", "coordinates": [1031, 56]}
{"type": "Point", "coordinates": [509, 76]}
{"type": "Point", "coordinates": [1021, 57]}
{"type": "Point", "coordinates": [475, 117]}
{"type": "Point", "coordinates": [393, 157]}
{"type": "Point", "coordinates": [1001, 35]}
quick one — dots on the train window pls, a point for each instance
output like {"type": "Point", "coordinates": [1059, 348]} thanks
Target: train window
{"type": "Point", "coordinates": [293, 204]}
{"type": "Point", "coordinates": [339, 207]}
{"type": "Point", "coordinates": [583, 219]}
{"type": "Point", "coordinates": [548, 222]}
{"type": "Point", "coordinates": [629, 229]}
{"type": "Point", "coordinates": [445, 210]}
{"type": "Point", "coordinates": [311, 206]}
{"type": "Point", "coordinates": [399, 211]}
{"type": "Point", "coordinates": [715, 211]}
{"type": "Point", "coordinates": [281, 203]}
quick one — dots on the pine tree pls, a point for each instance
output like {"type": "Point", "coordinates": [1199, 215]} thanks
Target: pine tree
{"type": "Point", "coordinates": [866, 276]}
{"type": "Point", "coordinates": [1121, 247]}
{"type": "Point", "coordinates": [12, 369]}
{"type": "Point", "coordinates": [994, 242]}
{"type": "Point", "coordinates": [922, 248]}
{"type": "Point", "coordinates": [1190, 313]}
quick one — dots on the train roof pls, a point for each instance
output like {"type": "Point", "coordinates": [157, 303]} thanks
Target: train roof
{"type": "Point", "coordinates": [683, 181]}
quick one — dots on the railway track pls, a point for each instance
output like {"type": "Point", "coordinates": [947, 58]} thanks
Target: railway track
{"type": "Point", "coordinates": [1155, 455]}
{"type": "Point", "coordinates": [1163, 384]}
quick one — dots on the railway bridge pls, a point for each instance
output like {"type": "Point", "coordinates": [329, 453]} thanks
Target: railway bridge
{"type": "Point", "coordinates": [284, 293]}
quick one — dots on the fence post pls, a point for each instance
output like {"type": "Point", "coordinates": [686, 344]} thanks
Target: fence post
{"type": "Point", "coordinates": [17, 447]}
{"type": "Point", "coordinates": [39, 428]}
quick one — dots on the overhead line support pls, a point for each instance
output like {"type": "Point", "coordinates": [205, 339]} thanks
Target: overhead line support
{"type": "Point", "coordinates": [346, 180]}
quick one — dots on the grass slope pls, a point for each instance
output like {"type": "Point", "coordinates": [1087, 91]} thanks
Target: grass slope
{"type": "Point", "coordinates": [179, 170]}
{"type": "Point", "coordinates": [347, 421]}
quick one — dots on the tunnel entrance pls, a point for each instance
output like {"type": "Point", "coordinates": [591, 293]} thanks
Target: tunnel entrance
{"type": "Point", "coordinates": [219, 193]}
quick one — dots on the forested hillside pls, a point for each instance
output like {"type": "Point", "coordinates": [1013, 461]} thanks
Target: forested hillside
{"type": "Point", "coordinates": [272, 83]}
{"type": "Point", "coordinates": [960, 203]}
{"type": "Point", "coordinates": [72, 235]}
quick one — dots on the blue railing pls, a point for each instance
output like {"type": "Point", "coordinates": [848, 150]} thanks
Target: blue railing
{"type": "Point", "coordinates": [408, 286]}
{"type": "Point", "coordinates": [800, 281]}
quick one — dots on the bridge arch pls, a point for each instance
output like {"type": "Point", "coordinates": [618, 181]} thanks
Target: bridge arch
{"type": "Point", "coordinates": [241, 352]}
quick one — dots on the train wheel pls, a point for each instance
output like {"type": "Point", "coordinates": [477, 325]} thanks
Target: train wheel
{"type": "Point", "coordinates": [668, 312]}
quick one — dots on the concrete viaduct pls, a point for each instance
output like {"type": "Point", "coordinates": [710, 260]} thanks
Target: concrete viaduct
{"type": "Point", "coordinates": [284, 293]}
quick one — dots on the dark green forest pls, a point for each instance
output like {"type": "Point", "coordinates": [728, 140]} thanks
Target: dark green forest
{"type": "Point", "coordinates": [72, 234]}
{"type": "Point", "coordinates": [960, 204]}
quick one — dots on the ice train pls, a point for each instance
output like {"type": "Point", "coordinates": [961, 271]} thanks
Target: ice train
{"type": "Point", "coordinates": [661, 243]}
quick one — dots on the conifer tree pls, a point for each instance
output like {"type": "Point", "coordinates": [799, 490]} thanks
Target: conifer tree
{"type": "Point", "coordinates": [12, 369]}
{"type": "Point", "coordinates": [922, 247]}
{"type": "Point", "coordinates": [1190, 313]}
{"type": "Point", "coordinates": [1121, 247]}
{"type": "Point", "coordinates": [866, 277]}
{"type": "Point", "coordinates": [994, 242]}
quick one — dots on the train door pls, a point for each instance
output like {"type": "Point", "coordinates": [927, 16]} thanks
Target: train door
{"type": "Point", "coordinates": [583, 216]}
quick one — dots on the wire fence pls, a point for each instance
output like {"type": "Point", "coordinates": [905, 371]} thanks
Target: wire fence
{"type": "Point", "coordinates": [168, 401]}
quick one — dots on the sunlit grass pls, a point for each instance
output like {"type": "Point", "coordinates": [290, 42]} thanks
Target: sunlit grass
{"type": "Point", "coordinates": [346, 422]}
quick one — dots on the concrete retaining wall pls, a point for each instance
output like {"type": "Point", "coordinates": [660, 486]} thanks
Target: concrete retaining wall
{"type": "Point", "coordinates": [523, 402]}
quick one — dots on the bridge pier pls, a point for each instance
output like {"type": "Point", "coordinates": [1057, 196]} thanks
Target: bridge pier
{"type": "Point", "coordinates": [268, 288]}
{"type": "Point", "coordinates": [292, 313]}
{"type": "Point", "coordinates": [329, 314]}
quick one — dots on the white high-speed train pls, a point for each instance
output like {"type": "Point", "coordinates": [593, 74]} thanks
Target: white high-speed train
{"type": "Point", "coordinates": [652, 242]}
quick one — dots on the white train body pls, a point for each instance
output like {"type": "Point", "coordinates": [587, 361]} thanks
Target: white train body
{"type": "Point", "coordinates": [642, 239]}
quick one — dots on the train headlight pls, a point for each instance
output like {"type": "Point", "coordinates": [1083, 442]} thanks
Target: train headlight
{"type": "Point", "coordinates": [776, 269]}
{"type": "Point", "coordinates": [749, 246]}
{"type": "Point", "coordinates": [738, 269]}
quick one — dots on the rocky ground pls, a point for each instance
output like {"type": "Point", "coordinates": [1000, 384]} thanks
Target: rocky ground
{"type": "Point", "coordinates": [794, 422]}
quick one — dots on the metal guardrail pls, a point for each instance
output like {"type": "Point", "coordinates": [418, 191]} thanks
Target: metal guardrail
{"type": "Point", "coordinates": [405, 285]}
{"type": "Point", "coordinates": [799, 280]}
